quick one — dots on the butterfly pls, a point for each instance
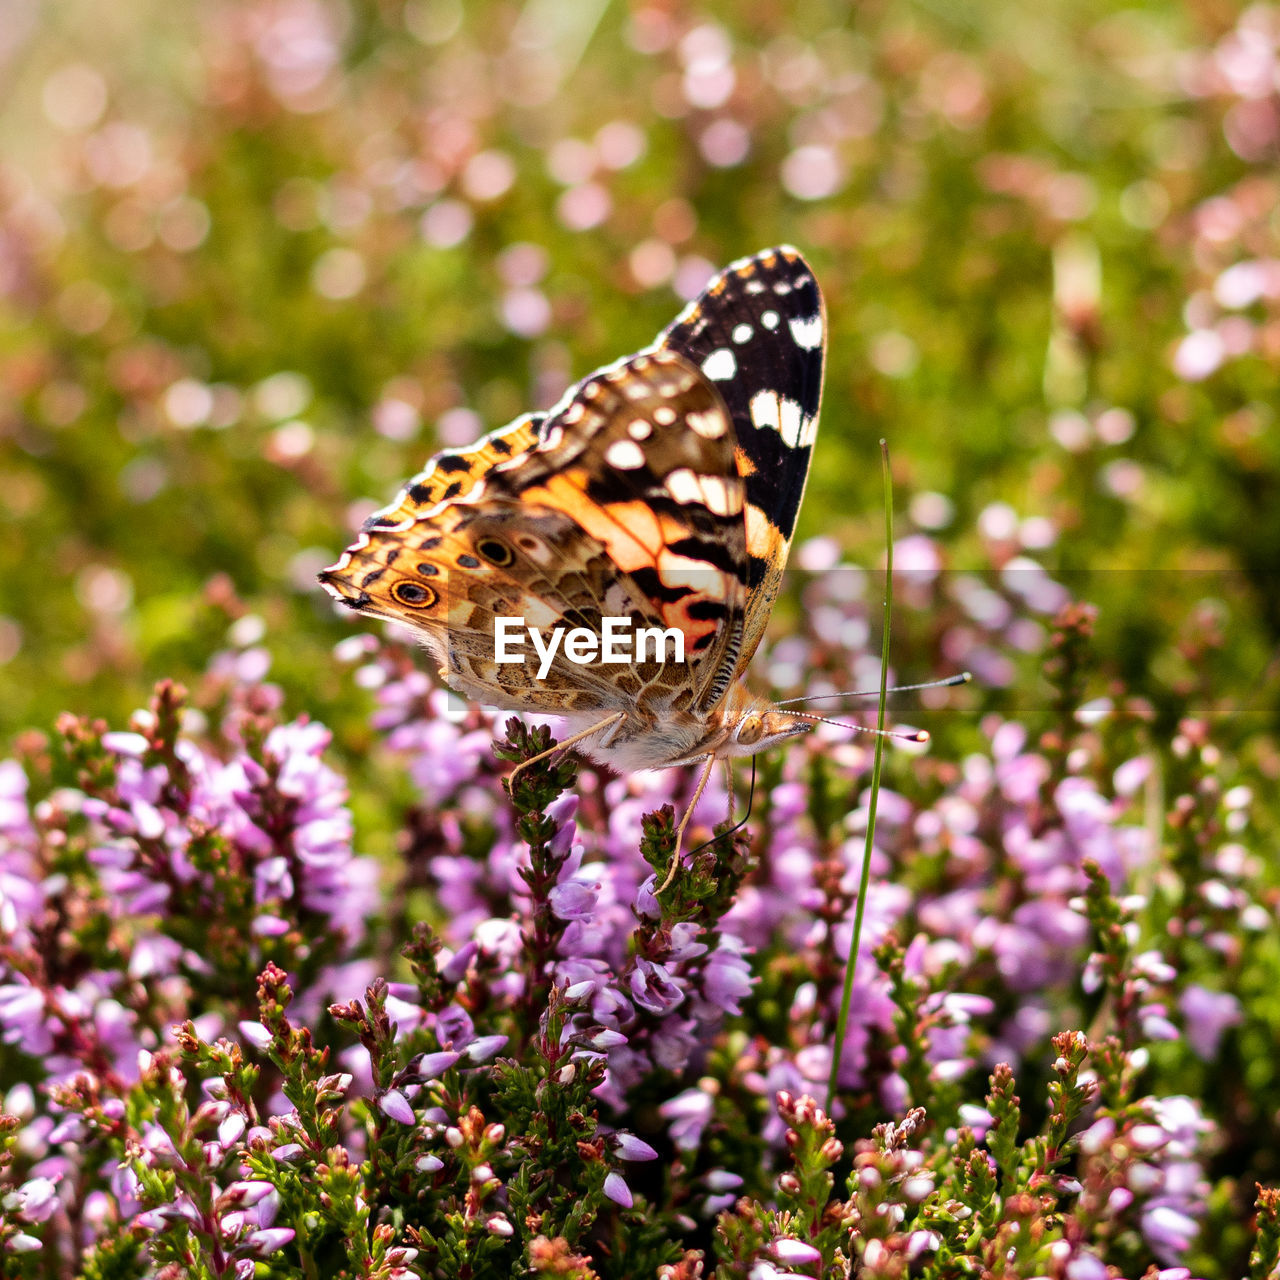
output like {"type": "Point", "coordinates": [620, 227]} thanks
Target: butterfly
{"type": "Point", "coordinates": [661, 491]}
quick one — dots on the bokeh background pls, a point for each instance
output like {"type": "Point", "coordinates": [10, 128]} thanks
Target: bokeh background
{"type": "Point", "coordinates": [258, 260]}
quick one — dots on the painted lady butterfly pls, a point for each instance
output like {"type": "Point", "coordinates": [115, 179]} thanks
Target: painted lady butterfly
{"type": "Point", "coordinates": [662, 489]}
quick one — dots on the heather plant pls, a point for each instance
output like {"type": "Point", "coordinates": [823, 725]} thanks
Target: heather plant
{"type": "Point", "coordinates": [229, 1050]}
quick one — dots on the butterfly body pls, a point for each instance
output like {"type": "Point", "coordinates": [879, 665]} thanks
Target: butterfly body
{"type": "Point", "coordinates": [659, 494]}
{"type": "Point", "coordinates": [658, 741]}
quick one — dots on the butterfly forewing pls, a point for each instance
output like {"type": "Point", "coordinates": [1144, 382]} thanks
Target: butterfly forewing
{"type": "Point", "coordinates": [758, 331]}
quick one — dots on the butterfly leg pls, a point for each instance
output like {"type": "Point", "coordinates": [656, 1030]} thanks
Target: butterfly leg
{"type": "Point", "coordinates": [684, 822]}
{"type": "Point", "coordinates": [606, 723]}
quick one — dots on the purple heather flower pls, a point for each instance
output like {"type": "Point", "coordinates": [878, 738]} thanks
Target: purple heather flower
{"type": "Point", "coordinates": [894, 1093]}
{"type": "Point", "coordinates": [1129, 776]}
{"type": "Point", "coordinates": [1206, 1017]}
{"type": "Point", "coordinates": [606, 1039]}
{"type": "Point", "coordinates": [1019, 776]}
{"type": "Point", "coordinates": [454, 1027]}
{"type": "Point", "coordinates": [615, 1187]}
{"type": "Point", "coordinates": [653, 988]}
{"type": "Point", "coordinates": [1155, 1023]}
{"type": "Point", "coordinates": [263, 1243]}
{"type": "Point", "coordinates": [728, 977]}
{"type": "Point", "coordinates": [627, 1146]}
{"type": "Point", "coordinates": [246, 1195]}
{"type": "Point", "coordinates": [977, 1118]}
{"type": "Point", "coordinates": [255, 1033]}
{"type": "Point", "coordinates": [673, 1044]}
{"type": "Point", "coordinates": [1169, 1231]}
{"type": "Point", "coordinates": [573, 900]}
{"type": "Point", "coordinates": [231, 1127]}
{"type": "Point", "coordinates": [431, 1066]}
{"type": "Point", "coordinates": [688, 1113]}
{"type": "Point", "coordinates": [395, 1105]}
{"type": "Point", "coordinates": [795, 1252]}
{"type": "Point", "coordinates": [484, 1047]}
{"type": "Point", "coordinates": [1086, 1267]}
{"type": "Point", "coordinates": [36, 1199]}
{"type": "Point", "coordinates": [22, 1015]}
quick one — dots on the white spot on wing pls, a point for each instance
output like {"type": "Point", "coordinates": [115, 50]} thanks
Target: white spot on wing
{"type": "Point", "coordinates": [792, 421]}
{"type": "Point", "coordinates": [720, 365]}
{"type": "Point", "coordinates": [742, 333]}
{"type": "Point", "coordinates": [778, 413]}
{"type": "Point", "coordinates": [639, 429]}
{"type": "Point", "coordinates": [664, 415]}
{"type": "Point", "coordinates": [624, 455]}
{"type": "Point", "coordinates": [808, 333]}
{"type": "Point", "coordinates": [709, 424]}
{"type": "Point", "coordinates": [769, 319]}
{"type": "Point", "coordinates": [721, 498]}
{"type": "Point", "coordinates": [683, 485]}
{"type": "Point", "coordinates": [764, 409]}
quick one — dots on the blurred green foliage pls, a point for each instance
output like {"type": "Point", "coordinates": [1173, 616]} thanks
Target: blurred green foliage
{"type": "Point", "coordinates": [1005, 205]}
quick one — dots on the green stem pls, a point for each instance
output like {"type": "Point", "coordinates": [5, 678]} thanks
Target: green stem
{"type": "Point", "coordinates": [851, 965]}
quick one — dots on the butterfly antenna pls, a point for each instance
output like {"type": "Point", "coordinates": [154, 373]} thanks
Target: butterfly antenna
{"type": "Point", "coordinates": [950, 682]}
{"type": "Point", "coordinates": [742, 821]}
{"type": "Point", "coordinates": [903, 735]}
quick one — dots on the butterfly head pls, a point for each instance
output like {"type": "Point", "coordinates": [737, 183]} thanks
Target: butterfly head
{"type": "Point", "coordinates": [752, 724]}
